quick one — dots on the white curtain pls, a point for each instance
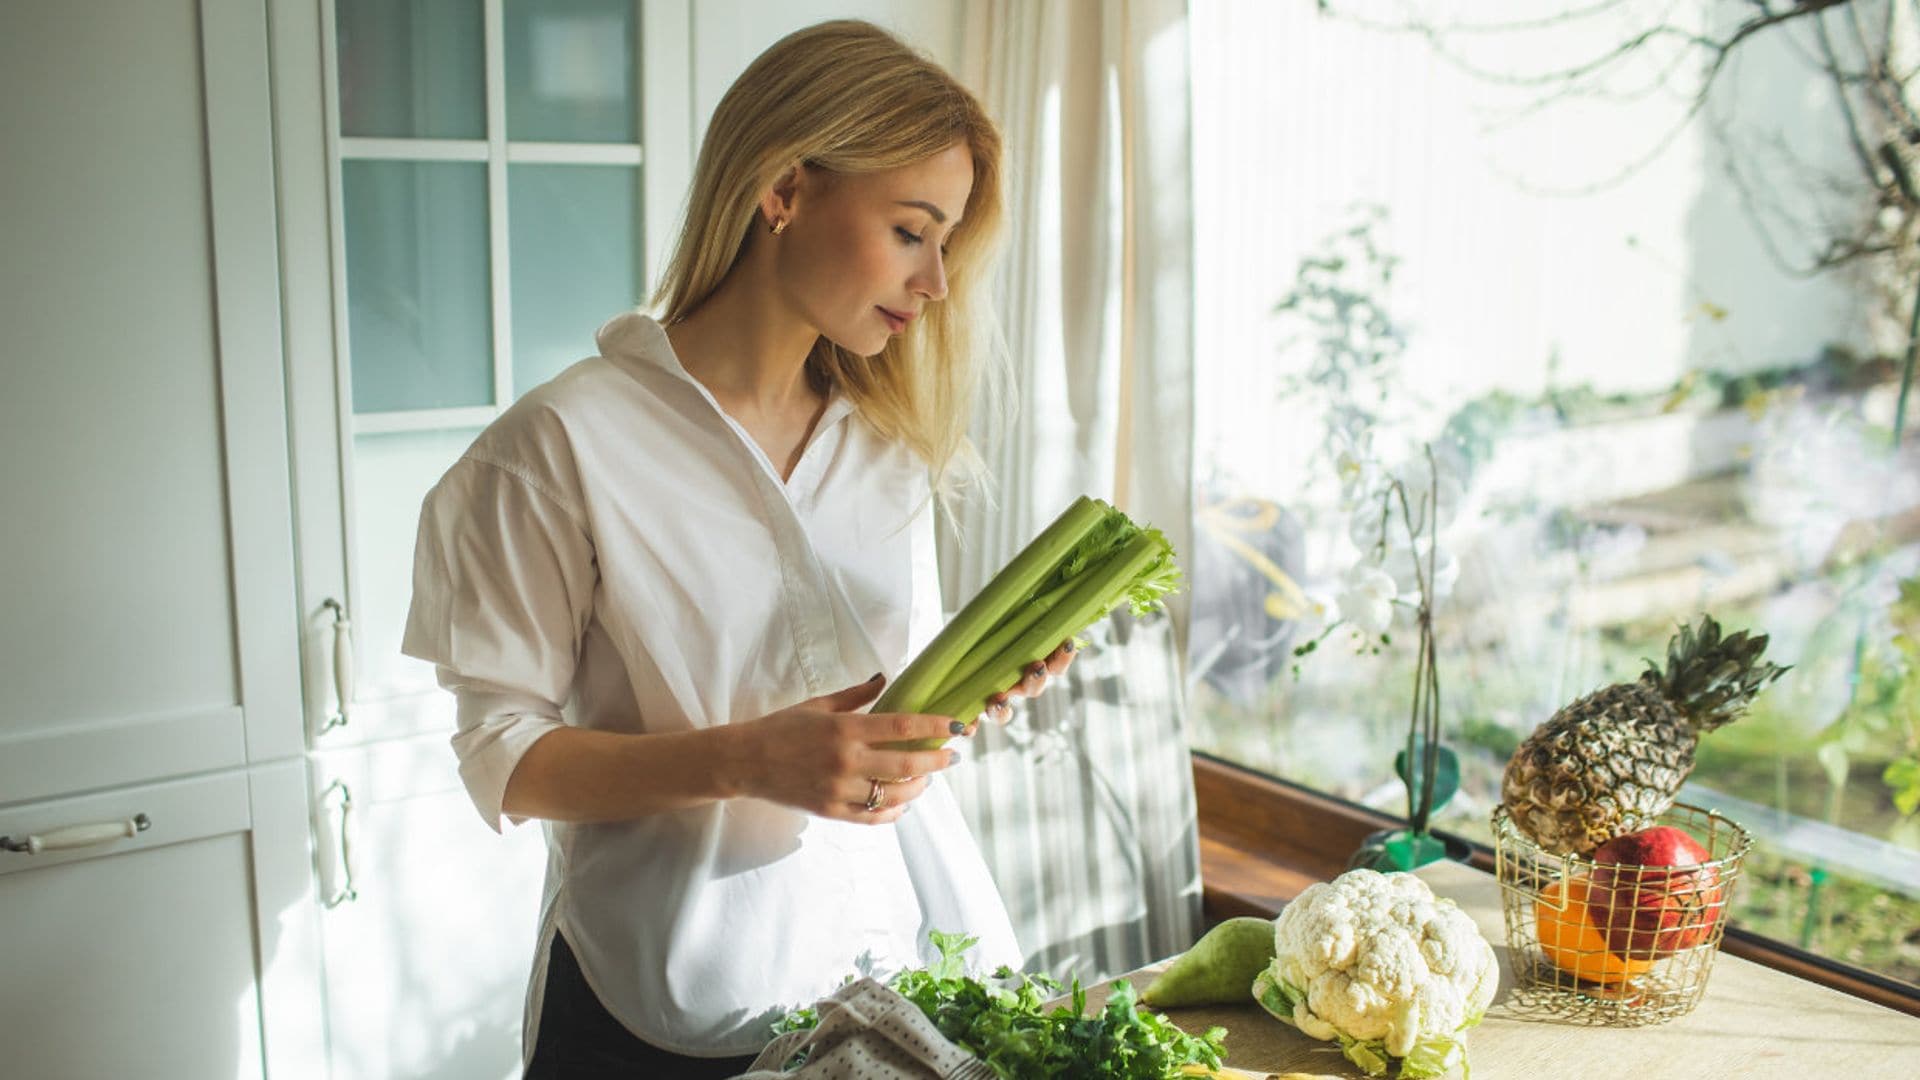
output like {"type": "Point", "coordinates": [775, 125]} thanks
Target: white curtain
{"type": "Point", "coordinates": [1084, 806]}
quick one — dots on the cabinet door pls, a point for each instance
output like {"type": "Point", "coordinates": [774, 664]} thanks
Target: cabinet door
{"type": "Point", "coordinates": [149, 569]}
{"type": "Point", "coordinates": [432, 927]}
{"type": "Point", "coordinates": [464, 199]}
{"type": "Point", "coordinates": [134, 930]}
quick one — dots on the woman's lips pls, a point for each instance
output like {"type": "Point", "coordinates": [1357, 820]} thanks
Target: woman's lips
{"type": "Point", "coordinates": [895, 321]}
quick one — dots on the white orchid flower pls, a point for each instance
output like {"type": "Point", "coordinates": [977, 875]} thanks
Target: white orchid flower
{"type": "Point", "coordinates": [1358, 476]}
{"type": "Point", "coordinates": [1424, 486]}
{"type": "Point", "coordinates": [1399, 566]}
{"type": "Point", "coordinates": [1366, 598]}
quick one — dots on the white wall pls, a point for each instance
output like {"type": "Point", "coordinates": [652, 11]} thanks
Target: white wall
{"type": "Point", "coordinates": [728, 34]}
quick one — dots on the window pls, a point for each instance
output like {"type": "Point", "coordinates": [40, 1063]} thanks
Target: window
{"type": "Point", "coordinates": [1578, 300]}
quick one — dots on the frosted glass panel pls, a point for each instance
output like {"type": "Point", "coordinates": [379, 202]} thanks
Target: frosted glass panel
{"type": "Point", "coordinates": [576, 261]}
{"type": "Point", "coordinates": [412, 69]}
{"type": "Point", "coordinates": [391, 476]}
{"type": "Point", "coordinates": [570, 73]}
{"type": "Point", "coordinates": [417, 284]}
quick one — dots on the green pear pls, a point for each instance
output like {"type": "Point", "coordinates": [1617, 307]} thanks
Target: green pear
{"type": "Point", "coordinates": [1219, 969]}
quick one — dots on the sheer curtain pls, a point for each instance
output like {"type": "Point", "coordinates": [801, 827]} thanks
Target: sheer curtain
{"type": "Point", "coordinates": [1084, 806]}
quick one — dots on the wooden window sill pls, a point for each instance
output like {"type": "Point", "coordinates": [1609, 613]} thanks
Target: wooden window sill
{"type": "Point", "coordinates": [1264, 840]}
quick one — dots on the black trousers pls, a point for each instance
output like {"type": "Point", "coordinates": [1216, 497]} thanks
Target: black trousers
{"type": "Point", "coordinates": [580, 1040]}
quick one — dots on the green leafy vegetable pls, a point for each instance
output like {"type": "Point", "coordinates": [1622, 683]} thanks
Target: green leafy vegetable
{"type": "Point", "coordinates": [1089, 561]}
{"type": "Point", "coordinates": [1006, 1024]}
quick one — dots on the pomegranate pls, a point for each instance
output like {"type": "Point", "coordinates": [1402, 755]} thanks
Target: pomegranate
{"type": "Point", "coordinates": [1644, 898]}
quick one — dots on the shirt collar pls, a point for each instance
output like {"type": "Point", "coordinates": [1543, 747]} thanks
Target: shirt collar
{"type": "Point", "coordinates": [641, 338]}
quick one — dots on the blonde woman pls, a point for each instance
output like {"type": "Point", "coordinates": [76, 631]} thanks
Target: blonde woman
{"type": "Point", "coordinates": [664, 586]}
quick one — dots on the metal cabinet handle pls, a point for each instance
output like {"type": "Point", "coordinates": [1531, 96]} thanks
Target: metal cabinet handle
{"type": "Point", "coordinates": [342, 666]}
{"type": "Point", "coordinates": [68, 837]}
{"type": "Point", "coordinates": [346, 891]}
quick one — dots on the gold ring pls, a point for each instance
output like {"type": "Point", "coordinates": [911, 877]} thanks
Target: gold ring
{"type": "Point", "coordinates": [877, 795]}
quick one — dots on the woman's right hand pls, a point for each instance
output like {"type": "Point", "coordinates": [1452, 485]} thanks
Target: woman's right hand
{"type": "Point", "coordinates": [820, 756]}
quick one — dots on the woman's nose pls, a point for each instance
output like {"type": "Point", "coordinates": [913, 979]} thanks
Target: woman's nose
{"type": "Point", "coordinates": [931, 281]}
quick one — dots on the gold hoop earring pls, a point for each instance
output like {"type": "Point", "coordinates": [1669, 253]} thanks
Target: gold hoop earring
{"type": "Point", "coordinates": [779, 226]}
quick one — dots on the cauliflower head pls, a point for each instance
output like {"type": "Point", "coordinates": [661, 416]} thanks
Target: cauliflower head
{"type": "Point", "coordinates": [1380, 964]}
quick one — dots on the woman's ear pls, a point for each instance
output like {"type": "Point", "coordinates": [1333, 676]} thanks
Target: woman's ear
{"type": "Point", "coordinates": [777, 205]}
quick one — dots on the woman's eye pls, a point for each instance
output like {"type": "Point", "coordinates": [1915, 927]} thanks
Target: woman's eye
{"type": "Point", "coordinates": [906, 235]}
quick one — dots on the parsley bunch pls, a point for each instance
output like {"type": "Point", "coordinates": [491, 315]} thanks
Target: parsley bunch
{"type": "Point", "coordinates": [1004, 1023]}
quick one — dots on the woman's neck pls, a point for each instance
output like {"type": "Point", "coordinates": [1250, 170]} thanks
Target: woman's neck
{"type": "Point", "coordinates": [747, 347]}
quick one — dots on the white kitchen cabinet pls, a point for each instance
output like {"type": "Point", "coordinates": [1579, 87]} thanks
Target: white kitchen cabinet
{"type": "Point", "coordinates": [142, 955]}
{"type": "Point", "coordinates": [189, 480]}
{"type": "Point", "coordinates": [149, 561]}
{"type": "Point", "coordinates": [148, 649]}
{"type": "Point", "coordinates": [427, 964]}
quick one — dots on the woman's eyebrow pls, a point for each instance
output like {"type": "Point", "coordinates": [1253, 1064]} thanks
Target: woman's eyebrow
{"type": "Point", "coordinates": [939, 215]}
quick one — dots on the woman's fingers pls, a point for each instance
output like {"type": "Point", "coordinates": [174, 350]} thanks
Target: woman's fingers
{"type": "Point", "coordinates": [876, 728]}
{"type": "Point", "coordinates": [899, 764]}
{"type": "Point", "coordinates": [1062, 656]}
{"type": "Point", "coordinates": [1031, 682]}
{"type": "Point", "coordinates": [820, 757]}
{"type": "Point", "coordinates": [881, 800]}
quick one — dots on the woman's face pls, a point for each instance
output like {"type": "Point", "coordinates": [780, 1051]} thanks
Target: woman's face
{"type": "Point", "coordinates": [862, 254]}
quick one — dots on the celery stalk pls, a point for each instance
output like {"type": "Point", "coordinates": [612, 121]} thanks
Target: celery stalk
{"type": "Point", "coordinates": [1017, 622]}
{"type": "Point", "coordinates": [1095, 593]}
{"type": "Point", "coordinates": [1088, 562]}
{"type": "Point", "coordinates": [1015, 583]}
{"type": "Point", "coordinates": [1098, 544]}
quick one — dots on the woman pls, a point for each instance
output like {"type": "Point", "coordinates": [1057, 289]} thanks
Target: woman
{"type": "Point", "coordinates": [636, 572]}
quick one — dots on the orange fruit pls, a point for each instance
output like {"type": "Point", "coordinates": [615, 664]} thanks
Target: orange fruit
{"type": "Point", "coordinates": [1571, 941]}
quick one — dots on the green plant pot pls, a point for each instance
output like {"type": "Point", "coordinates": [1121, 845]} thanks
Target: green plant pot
{"type": "Point", "coordinates": [1404, 849]}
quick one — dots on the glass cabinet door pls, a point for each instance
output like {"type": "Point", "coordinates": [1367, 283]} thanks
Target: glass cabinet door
{"type": "Point", "coordinates": [570, 74]}
{"type": "Point", "coordinates": [485, 210]}
{"type": "Point", "coordinates": [489, 218]}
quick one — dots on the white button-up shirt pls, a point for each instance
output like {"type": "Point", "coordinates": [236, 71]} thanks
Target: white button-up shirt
{"type": "Point", "coordinates": [616, 552]}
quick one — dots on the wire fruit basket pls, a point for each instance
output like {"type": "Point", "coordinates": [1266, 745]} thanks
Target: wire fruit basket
{"type": "Point", "coordinates": [1621, 945]}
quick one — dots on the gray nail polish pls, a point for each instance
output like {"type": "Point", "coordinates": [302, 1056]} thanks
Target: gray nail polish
{"type": "Point", "coordinates": [957, 728]}
{"type": "Point", "coordinates": [953, 757]}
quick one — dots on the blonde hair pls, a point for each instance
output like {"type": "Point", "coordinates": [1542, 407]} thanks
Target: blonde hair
{"type": "Point", "coordinates": [848, 97]}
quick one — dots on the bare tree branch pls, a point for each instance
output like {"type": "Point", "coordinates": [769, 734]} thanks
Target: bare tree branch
{"type": "Point", "coordinates": [1868, 215]}
{"type": "Point", "coordinates": [1775, 18]}
{"type": "Point", "coordinates": [1718, 50]}
{"type": "Point", "coordinates": [1854, 138]}
{"type": "Point", "coordinates": [1558, 18]}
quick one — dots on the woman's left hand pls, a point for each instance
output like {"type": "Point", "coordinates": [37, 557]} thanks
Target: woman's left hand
{"type": "Point", "coordinates": [1000, 706]}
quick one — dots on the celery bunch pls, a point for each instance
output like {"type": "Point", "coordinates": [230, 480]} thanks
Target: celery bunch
{"type": "Point", "coordinates": [1092, 559]}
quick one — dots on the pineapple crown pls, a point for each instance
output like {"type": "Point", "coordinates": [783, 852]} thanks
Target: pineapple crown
{"type": "Point", "coordinates": [1709, 678]}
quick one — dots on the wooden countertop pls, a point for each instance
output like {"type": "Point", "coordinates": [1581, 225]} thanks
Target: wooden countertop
{"type": "Point", "coordinates": [1752, 1022]}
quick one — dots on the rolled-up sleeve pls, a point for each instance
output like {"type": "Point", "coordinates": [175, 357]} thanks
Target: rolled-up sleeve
{"type": "Point", "coordinates": [503, 582]}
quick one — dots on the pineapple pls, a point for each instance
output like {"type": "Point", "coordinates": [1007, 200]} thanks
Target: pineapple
{"type": "Point", "coordinates": [1613, 761]}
